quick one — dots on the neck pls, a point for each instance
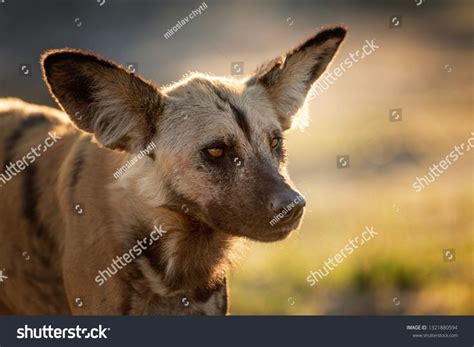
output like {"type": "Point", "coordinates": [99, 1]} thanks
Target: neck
{"type": "Point", "coordinates": [187, 255]}
{"type": "Point", "coordinates": [179, 254]}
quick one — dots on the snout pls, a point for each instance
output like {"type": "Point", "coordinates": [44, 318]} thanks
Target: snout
{"type": "Point", "coordinates": [266, 210]}
{"type": "Point", "coordinates": [287, 206]}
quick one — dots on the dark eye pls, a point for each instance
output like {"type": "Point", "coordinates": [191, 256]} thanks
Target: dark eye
{"type": "Point", "coordinates": [276, 142]}
{"type": "Point", "coordinates": [215, 152]}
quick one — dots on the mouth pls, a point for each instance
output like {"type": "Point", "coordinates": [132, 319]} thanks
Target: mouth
{"type": "Point", "coordinates": [276, 235]}
{"type": "Point", "coordinates": [279, 231]}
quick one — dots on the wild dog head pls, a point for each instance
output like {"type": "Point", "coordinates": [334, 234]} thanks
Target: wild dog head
{"type": "Point", "coordinates": [220, 147]}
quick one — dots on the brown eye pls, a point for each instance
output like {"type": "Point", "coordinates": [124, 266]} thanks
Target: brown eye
{"type": "Point", "coordinates": [215, 152]}
{"type": "Point", "coordinates": [275, 142]}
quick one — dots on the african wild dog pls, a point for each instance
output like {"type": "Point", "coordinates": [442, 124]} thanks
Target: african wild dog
{"type": "Point", "coordinates": [216, 174]}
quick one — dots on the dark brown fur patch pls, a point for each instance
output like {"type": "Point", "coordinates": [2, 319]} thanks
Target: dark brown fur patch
{"type": "Point", "coordinates": [77, 167]}
{"type": "Point", "coordinates": [241, 120]}
{"type": "Point", "coordinates": [30, 194]}
{"type": "Point", "coordinates": [16, 135]}
{"type": "Point", "coordinates": [219, 106]}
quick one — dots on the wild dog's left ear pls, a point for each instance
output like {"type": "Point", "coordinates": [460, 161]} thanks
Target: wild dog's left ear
{"type": "Point", "coordinates": [102, 98]}
{"type": "Point", "coordinates": [288, 78]}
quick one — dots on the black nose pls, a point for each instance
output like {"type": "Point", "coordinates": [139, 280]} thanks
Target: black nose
{"type": "Point", "coordinates": [288, 203]}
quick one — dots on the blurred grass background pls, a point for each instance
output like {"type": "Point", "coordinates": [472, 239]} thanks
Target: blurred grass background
{"type": "Point", "coordinates": [425, 67]}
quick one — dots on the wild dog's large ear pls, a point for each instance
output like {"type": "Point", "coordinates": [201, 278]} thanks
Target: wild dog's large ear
{"type": "Point", "coordinates": [101, 97]}
{"type": "Point", "coordinates": [288, 78]}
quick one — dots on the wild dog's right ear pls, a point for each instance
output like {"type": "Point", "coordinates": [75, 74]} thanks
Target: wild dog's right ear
{"type": "Point", "coordinates": [288, 78]}
{"type": "Point", "coordinates": [121, 109]}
